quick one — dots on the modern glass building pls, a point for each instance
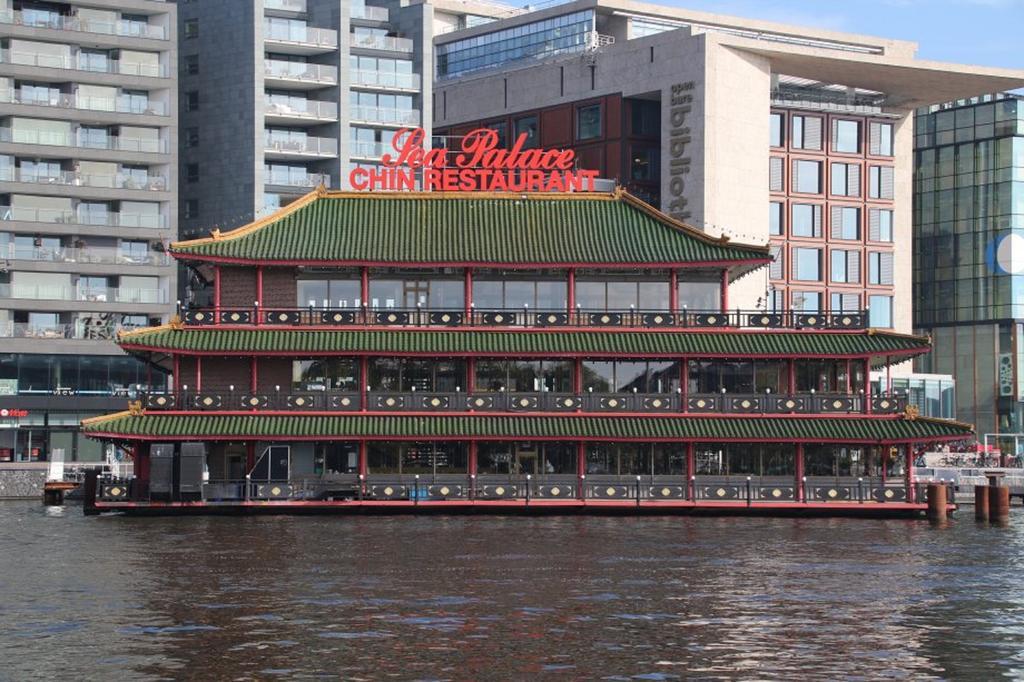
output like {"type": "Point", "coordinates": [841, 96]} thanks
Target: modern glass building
{"type": "Point", "coordinates": [969, 253]}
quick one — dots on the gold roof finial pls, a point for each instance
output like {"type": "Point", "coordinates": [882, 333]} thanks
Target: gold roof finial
{"type": "Point", "coordinates": [911, 413]}
{"type": "Point", "coordinates": [175, 322]}
{"type": "Point", "coordinates": [135, 408]}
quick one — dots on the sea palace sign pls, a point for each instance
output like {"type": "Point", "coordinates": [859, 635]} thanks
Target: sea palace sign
{"type": "Point", "coordinates": [479, 165]}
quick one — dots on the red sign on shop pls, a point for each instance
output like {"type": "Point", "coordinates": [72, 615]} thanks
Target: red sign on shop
{"type": "Point", "coordinates": [478, 165]}
{"type": "Point", "coordinates": [12, 412]}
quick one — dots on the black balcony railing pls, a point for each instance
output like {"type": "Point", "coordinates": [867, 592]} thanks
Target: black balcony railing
{"type": "Point", "coordinates": [221, 400]}
{"type": "Point", "coordinates": [522, 317]}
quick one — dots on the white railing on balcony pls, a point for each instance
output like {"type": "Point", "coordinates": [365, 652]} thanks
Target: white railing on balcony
{"type": "Point", "coordinates": [386, 116]}
{"type": "Point", "coordinates": [105, 255]}
{"type": "Point", "coordinates": [371, 13]}
{"type": "Point", "coordinates": [78, 179]}
{"type": "Point", "coordinates": [311, 146]}
{"type": "Point", "coordinates": [303, 109]}
{"type": "Point", "coordinates": [286, 179]}
{"type": "Point", "coordinates": [122, 105]}
{"type": "Point", "coordinates": [388, 43]}
{"type": "Point", "coordinates": [119, 143]}
{"type": "Point", "coordinates": [131, 29]}
{"type": "Point", "coordinates": [301, 35]}
{"type": "Point", "coordinates": [297, 6]}
{"type": "Point", "coordinates": [383, 79]}
{"type": "Point", "coordinates": [300, 71]}
{"type": "Point", "coordinates": [68, 62]}
{"type": "Point", "coordinates": [369, 150]}
{"type": "Point", "coordinates": [71, 217]}
{"type": "Point", "coordinates": [91, 294]}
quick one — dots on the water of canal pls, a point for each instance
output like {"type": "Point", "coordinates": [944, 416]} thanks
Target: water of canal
{"type": "Point", "coordinates": [433, 598]}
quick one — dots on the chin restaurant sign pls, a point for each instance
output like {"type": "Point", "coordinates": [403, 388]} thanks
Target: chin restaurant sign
{"type": "Point", "coordinates": [478, 165]}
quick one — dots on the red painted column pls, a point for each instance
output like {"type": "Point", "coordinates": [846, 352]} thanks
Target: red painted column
{"type": "Point", "coordinates": [259, 293]}
{"type": "Point", "coordinates": [250, 456]}
{"type": "Point", "coordinates": [691, 471]}
{"type": "Point", "coordinates": [725, 290]}
{"type": "Point", "coordinates": [885, 463]}
{"type": "Point", "coordinates": [577, 376]}
{"type": "Point", "coordinates": [571, 290]}
{"type": "Point", "coordinates": [684, 384]}
{"type": "Point", "coordinates": [867, 385]}
{"type": "Point", "coordinates": [364, 286]}
{"type": "Point", "coordinates": [849, 376]}
{"type": "Point", "coordinates": [909, 454]}
{"type": "Point", "coordinates": [254, 374]}
{"type": "Point", "coordinates": [673, 290]}
{"type": "Point", "coordinates": [364, 374]}
{"type": "Point", "coordinates": [799, 472]}
{"type": "Point", "coordinates": [216, 294]}
{"type": "Point", "coordinates": [791, 380]}
{"type": "Point", "coordinates": [199, 373]}
{"type": "Point", "coordinates": [888, 375]}
{"type": "Point", "coordinates": [363, 469]}
{"type": "Point", "coordinates": [472, 457]}
{"type": "Point", "coordinates": [470, 375]}
{"type": "Point", "coordinates": [177, 373]}
{"type": "Point", "coordinates": [468, 293]}
{"type": "Point", "coordinates": [581, 465]}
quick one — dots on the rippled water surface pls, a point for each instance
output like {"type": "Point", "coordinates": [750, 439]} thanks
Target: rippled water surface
{"type": "Point", "coordinates": [489, 597]}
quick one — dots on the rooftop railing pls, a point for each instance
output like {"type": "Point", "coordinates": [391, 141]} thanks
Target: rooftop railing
{"type": "Point", "coordinates": [86, 254]}
{"type": "Point", "coordinates": [314, 316]}
{"type": "Point", "coordinates": [71, 217]}
{"type": "Point", "coordinates": [68, 62]}
{"type": "Point", "coordinates": [133, 29]}
{"type": "Point", "coordinates": [234, 398]}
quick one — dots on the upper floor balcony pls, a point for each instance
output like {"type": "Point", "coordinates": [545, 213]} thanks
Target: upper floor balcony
{"type": "Point", "coordinates": [296, 178]}
{"type": "Point", "coordinates": [296, 109]}
{"type": "Point", "coordinates": [384, 43]}
{"type": "Point", "coordinates": [74, 178]}
{"type": "Point", "coordinates": [385, 80]}
{"type": "Point", "coordinates": [525, 317]}
{"type": "Point", "coordinates": [368, 150]}
{"type": "Point", "coordinates": [371, 13]}
{"type": "Point", "coordinates": [287, 74]}
{"type": "Point", "coordinates": [290, 6]}
{"type": "Point", "coordinates": [51, 20]}
{"type": "Point", "coordinates": [71, 217]}
{"type": "Point", "coordinates": [119, 143]}
{"type": "Point", "coordinates": [71, 63]}
{"type": "Point", "coordinates": [90, 294]}
{"type": "Point", "coordinates": [295, 146]}
{"type": "Point", "coordinates": [385, 116]}
{"type": "Point", "coordinates": [126, 104]}
{"type": "Point", "coordinates": [293, 37]}
{"type": "Point", "coordinates": [79, 330]}
{"type": "Point", "coordinates": [103, 255]}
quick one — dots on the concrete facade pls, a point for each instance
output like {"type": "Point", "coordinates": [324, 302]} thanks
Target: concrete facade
{"type": "Point", "coordinates": [88, 203]}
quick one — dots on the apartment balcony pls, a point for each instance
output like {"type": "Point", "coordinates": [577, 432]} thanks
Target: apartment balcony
{"type": "Point", "coordinates": [120, 105]}
{"type": "Point", "coordinates": [152, 183]}
{"type": "Point", "coordinates": [99, 255]}
{"type": "Point", "coordinates": [301, 180]}
{"type": "Point", "coordinates": [79, 331]}
{"type": "Point", "coordinates": [381, 80]}
{"type": "Point", "coordinates": [384, 117]}
{"type": "Point", "coordinates": [90, 294]}
{"type": "Point", "coordinates": [297, 111]}
{"type": "Point", "coordinates": [110, 143]}
{"type": "Point", "coordinates": [69, 217]}
{"type": "Point", "coordinates": [287, 6]}
{"type": "Point", "coordinates": [382, 43]}
{"type": "Point", "coordinates": [298, 75]}
{"type": "Point", "coordinates": [370, 13]}
{"type": "Point", "coordinates": [300, 147]}
{"type": "Point", "coordinates": [300, 40]}
{"type": "Point", "coordinates": [369, 150]}
{"type": "Point", "coordinates": [130, 29]}
{"type": "Point", "coordinates": [67, 63]}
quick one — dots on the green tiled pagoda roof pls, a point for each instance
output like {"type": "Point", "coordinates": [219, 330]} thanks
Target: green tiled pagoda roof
{"type": "Point", "coordinates": [470, 228]}
{"type": "Point", "coordinates": [126, 425]}
{"type": "Point", "coordinates": [229, 341]}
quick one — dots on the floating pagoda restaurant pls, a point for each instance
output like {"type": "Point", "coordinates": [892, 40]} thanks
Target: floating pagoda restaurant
{"type": "Point", "coordinates": [506, 352]}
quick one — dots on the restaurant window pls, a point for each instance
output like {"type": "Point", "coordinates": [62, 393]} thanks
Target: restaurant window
{"type": "Point", "coordinates": [524, 376]}
{"type": "Point", "coordinates": [620, 295]}
{"type": "Point", "coordinates": [337, 292]}
{"type": "Point", "coordinates": [429, 290]}
{"type": "Point", "coordinates": [497, 290]}
{"type": "Point", "coordinates": [699, 292]}
{"type": "Point", "coordinates": [845, 136]}
{"type": "Point", "coordinates": [423, 458]}
{"type": "Point", "coordinates": [775, 218]}
{"type": "Point", "coordinates": [806, 176]}
{"type": "Point", "coordinates": [629, 376]}
{"type": "Point", "coordinates": [741, 376]}
{"type": "Point", "coordinates": [528, 125]}
{"type": "Point", "coordinates": [525, 457]}
{"type": "Point", "coordinates": [403, 375]}
{"type": "Point", "coordinates": [501, 128]}
{"type": "Point", "coordinates": [588, 122]}
{"type": "Point", "coordinates": [325, 374]}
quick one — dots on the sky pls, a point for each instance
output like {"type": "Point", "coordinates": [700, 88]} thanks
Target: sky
{"type": "Point", "coordinates": [983, 32]}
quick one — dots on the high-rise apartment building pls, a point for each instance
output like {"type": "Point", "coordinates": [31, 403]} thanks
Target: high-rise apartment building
{"type": "Point", "coordinates": [280, 96]}
{"type": "Point", "coordinates": [88, 203]}
{"type": "Point", "coordinates": [798, 137]}
{"type": "Point", "coordinates": [969, 253]}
